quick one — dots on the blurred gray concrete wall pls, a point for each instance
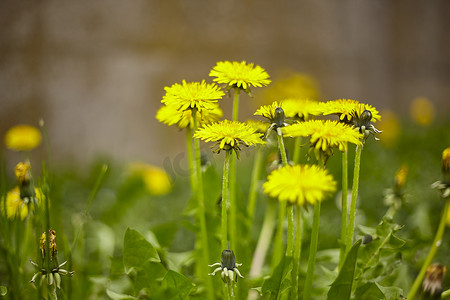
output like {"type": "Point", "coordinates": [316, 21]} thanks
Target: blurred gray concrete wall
{"type": "Point", "coordinates": [95, 71]}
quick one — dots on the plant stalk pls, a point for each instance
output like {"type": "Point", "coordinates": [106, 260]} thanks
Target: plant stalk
{"type": "Point", "coordinates": [226, 171]}
{"type": "Point", "coordinates": [344, 211]}
{"type": "Point", "coordinates": [201, 213]}
{"type": "Point", "coordinates": [351, 220]}
{"type": "Point", "coordinates": [436, 243]}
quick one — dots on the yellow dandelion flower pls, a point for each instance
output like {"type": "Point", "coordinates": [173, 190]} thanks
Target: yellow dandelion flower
{"type": "Point", "coordinates": [300, 184]}
{"type": "Point", "coordinates": [348, 110]}
{"type": "Point", "coordinates": [170, 115]}
{"type": "Point", "coordinates": [422, 111]}
{"type": "Point", "coordinates": [302, 108]}
{"type": "Point", "coordinates": [193, 95]}
{"type": "Point", "coordinates": [18, 207]}
{"type": "Point", "coordinates": [239, 75]}
{"type": "Point", "coordinates": [156, 180]}
{"type": "Point", "coordinates": [23, 172]}
{"type": "Point", "coordinates": [229, 135]}
{"type": "Point", "coordinates": [325, 134]}
{"type": "Point", "coordinates": [23, 138]}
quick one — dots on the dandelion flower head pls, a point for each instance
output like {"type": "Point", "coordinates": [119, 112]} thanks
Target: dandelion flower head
{"type": "Point", "coordinates": [349, 110]}
{"type": "Point", "coordinates": [18, 207]}
{"type": "Point", "coordinates": [22, 172]}
{"type": "Point", "coordinates": [170, 115]}
{"type": "Point", "coordinates": [300, 184]}
{"type": "Point", "coordinates": [23, 138]}
{"type": "Point", "coordinates": [229, 135]}
{"type": "Point", "coordinates": [239, 75]}
{"type": "Point", "coordinates": [192, 95]}
{"type": "Point", "coordinates": [325, 134]}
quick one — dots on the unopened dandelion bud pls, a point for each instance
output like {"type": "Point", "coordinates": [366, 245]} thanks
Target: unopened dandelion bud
{"type": "Point", "coordinates": [279, 117]}
{"type": "Point", "coordinates": [227, 260]}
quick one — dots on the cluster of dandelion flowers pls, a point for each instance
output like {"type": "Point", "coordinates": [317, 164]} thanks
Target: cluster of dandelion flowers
{"type": "Point", "coordinates": [193, 95]}
{"type": "Point", "coordinates": [300, 184]}
{"type": "Point", "coordinates": [170, 115]}
{"type": "Point", "coordinates": [239, 75]}
{"type": "Point", "coordinates": [325, 135]}
{"type": "Point", "coordinates": [348, 110]}
{"type": "Point", "coordinates": [23, 138]}
{"type": "Point", "coordinates": [229, 135]}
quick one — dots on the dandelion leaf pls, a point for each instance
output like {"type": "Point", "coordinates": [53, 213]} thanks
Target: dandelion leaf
{"type": "Point", "coordinates": [279, 283]}
{"type": "Point", "coordinates": [137, 251]}
{"type": "Point", "coordinates": [341, 288]}
{"type": "Point", "coordinates": [374, 291]}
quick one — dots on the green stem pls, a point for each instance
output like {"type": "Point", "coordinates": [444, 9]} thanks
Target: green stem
{"type": "Point", "coordinates": [233, 204]}
{"type": "Point", "coordinates": [436, 243]}
{"type": "Point", "coordinates": [264, 240]}
{"type": "Point", "coordinates": [344, 210]}
{"type": "Point", "coordinates": [278, 247]}
{"type": "Point", "coordinates": [297, 149]}
{"type": "Point", "coordinates": [226, 171]}
{"type": "Point", "coordinates": [351, 219]}
{"type": "Point", "coordinates": [236, 104]}
{"type": "Point", "coordinates": [190, 158]}
{"type": "Point", "coordinates": [232, 182]}
{"type": "Point", "coordinates": [257, 165]}
{"type": "Point", "coordinates": [297, 250]}
{"type": "Point", "coordinates": [312, 253]}
{"type": "Point", "coordinates": [281, 147]}
{"type": "Point", "coordinates": [201, 213]}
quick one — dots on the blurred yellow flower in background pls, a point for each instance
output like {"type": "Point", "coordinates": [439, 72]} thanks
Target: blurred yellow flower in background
{"type": "Point", "coordinates": [300, 184]}
{"type": "Point", "coordinates": [18, 207]}
{"type": "Point", "coordinates": [290, 84]}
{"type": "Point", "coordinates": [391, 128]}
{"type": "Point", "coordinates": [23, 138]}
{"type": "Point", "coordinates": [422, 111]}
{"type": "Point", "coordinates": [239, 75]}
{"type": "Point", "coordinates": [155, 179]}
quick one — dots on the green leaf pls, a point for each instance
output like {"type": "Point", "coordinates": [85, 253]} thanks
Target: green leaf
{"type": "Point", "coordinates": [374, 291]}
{"type": "Point", "coordinates": [279, 283]}
{"type": "Point", "coordinates": [137, 251]}
{"type": "Point", "coordinates": [341, 288]}
{"type": "Point", "coordinates": [149, 277]}
{"type": "Point", "coordinates": [117, 296]}
{"type": "Point", "coordinates": [177, 285]}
